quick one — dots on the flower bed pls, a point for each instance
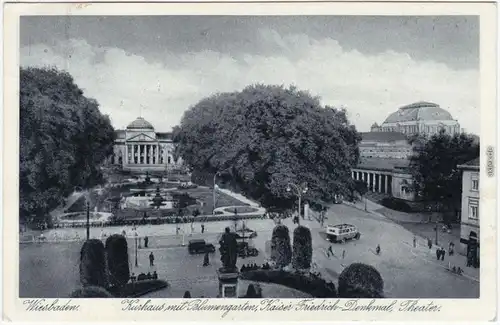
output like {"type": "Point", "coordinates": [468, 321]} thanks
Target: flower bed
{"type": "Point", "coordinates": [310, 284]}
{"type": "Point", "coordinates": [138, 288]}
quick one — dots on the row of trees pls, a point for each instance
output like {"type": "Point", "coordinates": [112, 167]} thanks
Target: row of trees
{"type": "Point", "coordinates": [281, 250]}
{"type": "Point", "coordinates": [104, 265]}
{"type": "Point", "coordinates": [63, 140]}
{"type": "Point", "coordinates": [264, 138]}
{"type": "Point", "coordinates": [434, 167]}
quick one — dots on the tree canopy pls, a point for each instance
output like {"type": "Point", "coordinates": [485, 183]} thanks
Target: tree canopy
{"type": "Point", "coordinates": [433, 165]}
{"type": "Point", "coordinates": [63, 139]}
{"type": "Point", "coordinates": [265, 137]}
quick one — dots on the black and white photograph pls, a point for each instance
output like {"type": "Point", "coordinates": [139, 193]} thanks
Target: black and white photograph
{"type": "Point", "coordinates": [242, 156]}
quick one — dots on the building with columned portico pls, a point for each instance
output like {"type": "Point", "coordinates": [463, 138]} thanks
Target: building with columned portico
{"type": "Point", "coordinates": [139, 148]}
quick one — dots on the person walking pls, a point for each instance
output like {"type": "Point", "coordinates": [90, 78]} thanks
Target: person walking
{"type": "Point", "coordinates": [451, 249]}
{"type": "Point", "coordinates": [429, 243]}
{"type": "Point", "coordinates": [330, 251]}
{"type": "Point", "coordinates": [206, 260]}
{"type": "Point", "coordinates": [414, 241]}
{"type": "Point", "coordinates": [377, 250]}
{"type": "Point", "coordinates": [443, 253]}
{"type": "Point", "coordinates": [151, 259]}
{"type": "Point", "coordinates": [343, 254]}
{"type": "Point", "coordinates": [202, 228]}
{"type": "Point", "coordinates": [438, 253]}
{"type": "Point", "coordinates": [146, 242]}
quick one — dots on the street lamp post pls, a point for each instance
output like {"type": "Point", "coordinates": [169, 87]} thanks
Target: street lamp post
{"type": "Point", "coordinates": [213, 208]}
{"type": "Point", "coordinates": [299, 191]}
{"type": "Point", "coordinates": [136, 262]}
{"type": "Point", "coordinates": [88, 220]}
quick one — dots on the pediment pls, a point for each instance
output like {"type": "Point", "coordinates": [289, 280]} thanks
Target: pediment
{"type": "Point", "coordinates": [141, 138]}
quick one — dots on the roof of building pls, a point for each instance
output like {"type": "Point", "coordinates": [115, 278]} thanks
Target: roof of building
{"type": "Point", "coordinates": [419, 111]}
{"type": "Point", "coordinates": [164, 135]}
{"type": "Point", "coordinates": [140, 123]}
{"type": "Point", "coordinates": [120, 134]}
{"type": "Point", "coordinates": [382, 136]}
{"type": "Point", "coordinates": [382, 164]}
{"type": "Point", "coordinates": [472, 164]}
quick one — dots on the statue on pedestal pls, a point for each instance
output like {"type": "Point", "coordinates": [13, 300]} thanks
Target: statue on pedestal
{"type": "Point", "coordinates": [228, 251]}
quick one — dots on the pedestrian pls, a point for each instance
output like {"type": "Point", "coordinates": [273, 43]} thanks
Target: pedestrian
{"type": "Point", "coordinates": [343, 254]}
{"type": "Point", "coordinates": [202, 228]}
{"type": "Point", "coordinates": [146, 242]}
{"type": "Point", "coordinates": [414, 241]}
{"type": "Point", "coordinates": [377, 250]}
{"type": "Point", "coordinates": [151, 259]}
{"type": "Point", "coordinates": [206, 261]}
{"type": "Point", "coordinates": [192, 226]}
{"type": "Point", "coordinates": [443, 253]}
{"type": "Point", "coordinates": [330, 251]}
{"type": "Point", "coordinates": [429, 243]}
{"type": "Point", "coordinates": [451, 249]}
{"type": "Point", "coordinates": [438, 253]}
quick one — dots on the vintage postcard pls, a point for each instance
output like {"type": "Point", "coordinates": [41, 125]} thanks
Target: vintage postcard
{"type": "Point", "coordinates": [224, 162]}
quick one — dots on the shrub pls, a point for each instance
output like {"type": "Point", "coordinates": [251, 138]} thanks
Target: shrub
{"type": "Point", "coordinates": [252, 292]}
{"type": "Point", "coordinates": [302, 248]}
{"type": "Point", "coordinates": [396, 204]}
{"type": "Point", "coordinates": [281, 250]}
{"type": "Point", "coordinates": [93, 264]}
{"type": "Point", "coordinates": [91, 292]}
{"type": "Point", "coordinates": [313, 285]}
{"type": "Point", "coordinates": [360, 281]}
{"type": "Point", "coordinates": [138, 288]}
{"type": "Point", "coordinates": [117, 257]}
{"type": "Point", "coordinates": [187, 294]}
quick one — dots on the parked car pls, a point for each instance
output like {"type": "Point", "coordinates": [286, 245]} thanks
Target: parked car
{"type": "Point", "coordinates": [199, 246]}
{"type": "Point", "coordinates": [342, 232]}
{"type": "Point", "coordinates": [245, 250]}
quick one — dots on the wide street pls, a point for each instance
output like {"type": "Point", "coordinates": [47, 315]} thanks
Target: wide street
{"type": "Point", "coordinates": [407, 272]}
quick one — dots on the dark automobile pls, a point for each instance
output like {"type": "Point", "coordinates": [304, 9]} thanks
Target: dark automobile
{"type": "Point", "coordinates": [244, 250]}
{"type": "Point", "coordinates": [199, 246]}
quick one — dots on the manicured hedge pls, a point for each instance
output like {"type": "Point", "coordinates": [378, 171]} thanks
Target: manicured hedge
{"type": "Point", "coordinates": [396, 204]}
{"type": "Point", "coordinates": [302, 248]}
{"type": "Point", "coordinates": [313, 285]}
{"type": "Point", "coordinates": [360, 280]}
{"type": "Point", "coordinates": [137, 288]}
{"type": "Point", "coordinates": [93, 264]}
{"type": "Point", "coordinates": [117, 258]}
{"type": "Point", "coordinates": [281, 250]}
{"type": "Point", "coordinates": [91, 292]}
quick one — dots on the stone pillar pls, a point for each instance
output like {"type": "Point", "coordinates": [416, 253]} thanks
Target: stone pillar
{"type": "Point", "coordinates": [387, 184]}
{"type": "Point", "coordinates": [156, 154]}
{"type": "Point", "coordinates": [150, 155]}
{"type": "Point", "coordinates": [382, 178]}
{"type": "Point", "coordinates": [379, 185]}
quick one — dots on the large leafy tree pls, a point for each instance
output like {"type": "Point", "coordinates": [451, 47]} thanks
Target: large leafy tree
{"type": "Point", "coordinates": [63, 139]}
{"type": "Point", "coordinates": [265, 137]}
{"type": "Point", "coordinates": [437, 179]}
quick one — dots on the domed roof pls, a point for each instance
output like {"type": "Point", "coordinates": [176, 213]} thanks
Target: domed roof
{"type": "Point", "coordinates": [419, 111]}
{"type": "Point", "coordinates": [140, 123]}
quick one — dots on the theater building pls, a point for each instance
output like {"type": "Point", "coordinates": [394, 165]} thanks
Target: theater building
{"type": "Point", "coordinates": [419, 118]}
{"type": "Point", "coordinates": [140, 148]}
{"type": "Point", "coordinates": [469, 225]}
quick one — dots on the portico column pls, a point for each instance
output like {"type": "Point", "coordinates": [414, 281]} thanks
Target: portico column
{"type": "Point", "coordinates": [387, 184]}
{"type": "Point", "coordinates": [150, 154]}
{"type": "Point", "coordinates": [156, 154]}
{"type": "Point", "coordinates": [379, 183]}
{"type": "Point", "coordinates": [134, 153]}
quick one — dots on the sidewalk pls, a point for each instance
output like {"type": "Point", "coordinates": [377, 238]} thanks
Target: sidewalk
{"type": "Point", "coordinates": [387, 213]}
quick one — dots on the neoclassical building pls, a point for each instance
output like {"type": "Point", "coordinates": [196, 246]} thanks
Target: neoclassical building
{"type": "Point", "coordinates": [419, 118]}
{"type": "Point", "coordinates": [140, 148]}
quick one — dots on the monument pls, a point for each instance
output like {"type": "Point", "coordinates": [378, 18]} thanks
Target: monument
{"type": "Point", "coordinates": [228, 273]}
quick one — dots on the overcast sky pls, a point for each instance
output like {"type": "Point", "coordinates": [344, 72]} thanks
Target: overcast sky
{"type": "Point", "coordinates": [158, 66]}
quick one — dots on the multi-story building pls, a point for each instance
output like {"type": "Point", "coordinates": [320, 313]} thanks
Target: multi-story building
{"type": "Point", "coordinates": [386, 145]}
{"type": "Point", "coordinates": [419, 118]}
{"type": "Point", "coordinates": [469, 226]}
{"type": "Point", "coordinates": [140, 148]}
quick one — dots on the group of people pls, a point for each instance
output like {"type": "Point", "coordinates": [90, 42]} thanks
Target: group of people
{"type": "Point", "coordinates": [143, 276]}
{"type": "Point", "coordinates": [254, 266]}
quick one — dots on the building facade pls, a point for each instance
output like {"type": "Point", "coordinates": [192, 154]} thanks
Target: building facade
{"type": "Point", "coordinates": [469, 225]}
{"type": "Point", "coordinates": [139, 148]}
{"type": "Point", "coordinates": [419, 118]}
{"type": "Point", "coordinates": [385, 145]}
{"type": "Point", "coordinates": [386, 176]}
